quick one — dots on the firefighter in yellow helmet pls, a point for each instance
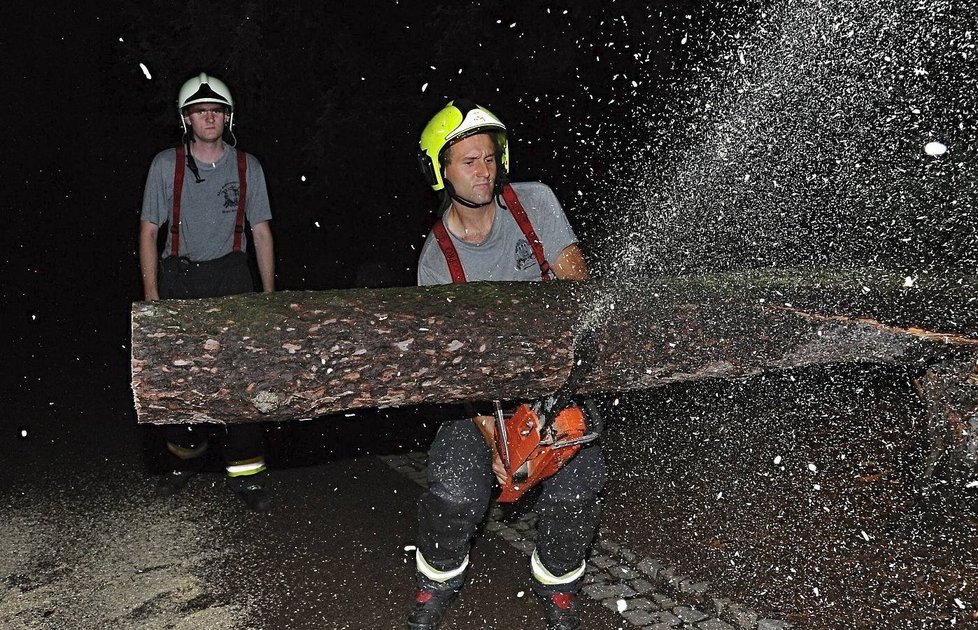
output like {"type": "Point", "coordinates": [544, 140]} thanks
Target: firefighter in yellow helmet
{"type": "Point", "coordinates": [494, 230]}
{"type": "Point", "coordinates": [205, 190]}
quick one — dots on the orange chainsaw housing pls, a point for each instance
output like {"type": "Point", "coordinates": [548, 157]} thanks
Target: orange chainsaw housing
{"type": "Point", "coordinates": [534, 457]}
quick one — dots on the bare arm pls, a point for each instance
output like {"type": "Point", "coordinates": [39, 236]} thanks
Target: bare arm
{"type": "Point", "coordinates": [148, 257]}
{"type": "Point", "coordinates": [265, 254]}
{"type": "Point", "coordinates": [570, 264]}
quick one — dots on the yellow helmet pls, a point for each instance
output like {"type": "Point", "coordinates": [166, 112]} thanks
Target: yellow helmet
{"type": "Point", "coordinates": [459, 119]}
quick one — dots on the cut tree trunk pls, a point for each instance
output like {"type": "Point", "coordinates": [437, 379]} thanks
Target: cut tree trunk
{"type": "Point", "coordinates": [294, 355]}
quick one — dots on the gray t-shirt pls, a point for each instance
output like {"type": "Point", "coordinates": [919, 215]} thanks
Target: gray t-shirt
{"type": "Point", "coordinates": [207, 209]}
{"type": "Point", "coordinates": [505, 255]}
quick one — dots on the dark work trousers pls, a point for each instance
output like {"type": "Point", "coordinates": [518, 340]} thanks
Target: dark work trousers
{"type": "Point", "coordinates": [180, 278]}
{"type": "Point", "coordinates": [460, 487]}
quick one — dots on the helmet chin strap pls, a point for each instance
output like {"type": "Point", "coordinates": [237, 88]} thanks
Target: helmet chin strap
{"type": "Point", "coordinates": [497, 189]}
{"type": "Point", "coordinates": [191, 162]}
{"type": "Point", "coordinates": [462, 200]}
{"type": "Point", "coordinates": [228, 135]}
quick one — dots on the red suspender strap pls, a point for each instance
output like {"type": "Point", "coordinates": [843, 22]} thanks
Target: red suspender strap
{"type": "Point", "coordinates": [519, 215]}
{"type": "Point", "coordinates": [242, 193]}
{"type": "Point", "coordinates": [516, 209]}
{"type": "Point", "coordinates": [179, 169]}
{"type": "Point", "coordinates": [451, 254]}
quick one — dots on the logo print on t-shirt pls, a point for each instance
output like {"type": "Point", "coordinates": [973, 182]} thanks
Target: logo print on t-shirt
{"type": "Point", "coordinates": [524, 255]}
{"type": "Point", "coordinates": [230, 193]}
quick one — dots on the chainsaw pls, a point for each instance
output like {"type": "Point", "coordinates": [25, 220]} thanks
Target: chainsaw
{"type": "Point", "coordinates": [538, 439]}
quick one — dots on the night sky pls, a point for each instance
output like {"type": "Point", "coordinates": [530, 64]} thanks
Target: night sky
{"type": "Point", "coordinates": [331, 99]}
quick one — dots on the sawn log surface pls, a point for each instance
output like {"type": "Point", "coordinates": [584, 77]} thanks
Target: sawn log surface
{"type": "Point", "coordinates": [294, 355]}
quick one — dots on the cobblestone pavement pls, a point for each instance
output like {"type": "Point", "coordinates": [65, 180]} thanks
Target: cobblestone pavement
{"type": "Point", "coordinates": [642, 590]}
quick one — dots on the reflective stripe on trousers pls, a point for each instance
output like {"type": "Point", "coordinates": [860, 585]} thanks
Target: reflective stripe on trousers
{"type": "Point", "coordinates": [183, 452]}
{"type": "Point", "coordinates": [245, 467]}
{"type": "Point", "coordinates": [545, 577]}
{"type": "Point", "coordinates": [432, 573]}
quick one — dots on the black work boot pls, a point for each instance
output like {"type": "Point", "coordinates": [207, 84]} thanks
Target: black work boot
{"type": "Point", "coordinates": [429, 608]}
{"type": "Point", "coordinates": [255, 497]}
{"type": "Point", "coordinates": [561, 611]}
{"type": "Point", "coordinates": [180, 473]}
{"type": "Point", "coordinates": [252, 491]}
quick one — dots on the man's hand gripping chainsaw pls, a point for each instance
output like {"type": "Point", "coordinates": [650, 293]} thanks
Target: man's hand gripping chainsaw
{"type": "Point", "coordinates": [539, 439]}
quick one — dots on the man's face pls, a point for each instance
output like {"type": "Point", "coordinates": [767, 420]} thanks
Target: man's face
{"type": "Point", "coordinates": [471, 168]}
{"type": "Point", "coordinates": [206, 120]}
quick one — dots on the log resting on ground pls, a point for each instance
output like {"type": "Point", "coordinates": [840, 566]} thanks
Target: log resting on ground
{"type": "Point", "coordinates": [295, 355]}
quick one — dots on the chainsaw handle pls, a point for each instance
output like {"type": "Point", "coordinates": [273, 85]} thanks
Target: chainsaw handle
{"type": "Point", "coordinates": [592, 417]}
{"type": "Point", "coordinates": [585, 350]}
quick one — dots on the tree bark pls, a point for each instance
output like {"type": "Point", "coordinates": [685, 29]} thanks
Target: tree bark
{"type": "Point", "coordinates": [294, 355]}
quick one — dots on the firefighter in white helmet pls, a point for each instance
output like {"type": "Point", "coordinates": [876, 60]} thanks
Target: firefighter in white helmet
{"type": "Point", "coordinates": [207, 191]}
{"type": "Point", "coordinates": [491, 230]}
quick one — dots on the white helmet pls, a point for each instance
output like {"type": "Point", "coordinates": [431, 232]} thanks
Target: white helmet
{"type": "Point", "coordinates": [205, 89]}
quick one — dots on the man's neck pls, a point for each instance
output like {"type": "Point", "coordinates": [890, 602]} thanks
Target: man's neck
{"type": "Point", "coordinates": [207, 152]}
{"type": "Point", "coordinates": [471, 224]}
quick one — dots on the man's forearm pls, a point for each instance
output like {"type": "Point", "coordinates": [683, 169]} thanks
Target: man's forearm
{"type": "Point", "coordinates": [266, 269]}
{"type": "Point", "coordinates": [148, 263]}
{"type": "Point", "coordinates": [265, 255]}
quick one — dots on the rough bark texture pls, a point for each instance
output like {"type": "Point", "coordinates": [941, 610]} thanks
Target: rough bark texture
{"type": "Point", "coordinates": [293, 355]}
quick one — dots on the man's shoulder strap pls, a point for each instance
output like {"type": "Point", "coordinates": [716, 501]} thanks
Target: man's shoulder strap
{"type": "Point", "coordinates": [519, 214]}
{"type": "Point", "coordinates": [180, 168]}
{"type": "Point", "coordinates": [242, 195]}
{"type": "Point", "coordinates": [448, 249]}
{"type": "Point", "coordinates": [522, 219]}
